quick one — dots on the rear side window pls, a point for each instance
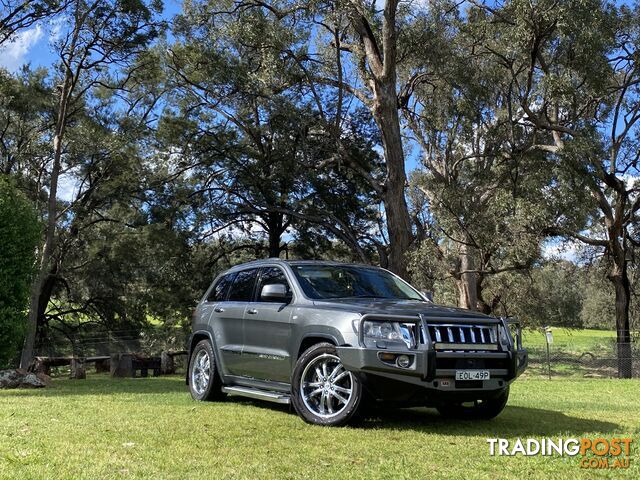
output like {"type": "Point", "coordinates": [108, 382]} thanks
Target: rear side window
{"type": "Point", "coordinates": [242, 288]}
{"type": "Point", "coordinates": [219, 291]}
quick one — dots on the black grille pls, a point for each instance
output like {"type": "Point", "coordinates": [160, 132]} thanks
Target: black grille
{"type": "Point", "coordinates": [464, 337]}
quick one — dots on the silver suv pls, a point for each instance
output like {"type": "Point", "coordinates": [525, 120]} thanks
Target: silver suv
{"type": "Point", "coordinates": [327, 337]}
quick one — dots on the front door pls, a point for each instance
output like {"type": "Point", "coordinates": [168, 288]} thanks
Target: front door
{"type": "Point", "coordinates": [267, 332]}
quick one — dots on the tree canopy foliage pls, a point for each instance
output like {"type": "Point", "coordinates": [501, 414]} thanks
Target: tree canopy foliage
{"type": "Point", "coordinates": [452, 142]}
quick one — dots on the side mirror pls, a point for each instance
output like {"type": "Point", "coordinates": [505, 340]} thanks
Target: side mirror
{"type": "Point", "coordinates": [427, 295]}
{"type": "Point", "coordinates": [275, 291]}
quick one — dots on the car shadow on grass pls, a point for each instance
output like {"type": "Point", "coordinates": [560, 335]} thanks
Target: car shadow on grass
{"type": "Point", "coordinates": [513, 421]}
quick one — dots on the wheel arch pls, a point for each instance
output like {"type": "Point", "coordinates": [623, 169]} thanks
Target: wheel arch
{"type": "Point", "coordinates": [314, 338]}
{"type": "Point", "coordinates": [197, 337]}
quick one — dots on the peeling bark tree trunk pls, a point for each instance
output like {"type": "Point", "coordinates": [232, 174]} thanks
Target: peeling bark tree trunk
{"type": "Point", "coordinates": [467, 283]}
{"type": "Point", "coordinates": [395, 204]}
{"type": "Point", "coordinates": [381, 79]}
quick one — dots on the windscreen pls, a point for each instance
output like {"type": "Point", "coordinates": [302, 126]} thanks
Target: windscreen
{"type": "Point", "coordinates": [330, 281]}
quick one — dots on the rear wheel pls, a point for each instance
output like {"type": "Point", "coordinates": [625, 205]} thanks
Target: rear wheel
{"type": "Point", "coordinates": [204, 380]}
{"type": "Point", "coordinates": [323, 391]}
{"type": "Point", "coordinates": [483, 409]}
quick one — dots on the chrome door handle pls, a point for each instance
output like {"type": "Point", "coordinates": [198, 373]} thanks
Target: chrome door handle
{"type": "Point", "coordinates": [252, 311]}
{"type": "Point", "coordinates": [218, 309]}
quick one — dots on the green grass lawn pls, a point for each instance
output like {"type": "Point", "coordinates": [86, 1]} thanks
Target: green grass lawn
{"type": "Point", "coordinates": [150, 428]}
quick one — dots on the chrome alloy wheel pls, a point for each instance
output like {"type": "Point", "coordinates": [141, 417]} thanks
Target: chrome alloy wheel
{"type": "Point", "coordinates": [201, 372]}
{"type": "Point", "coordinates": [326, 386]}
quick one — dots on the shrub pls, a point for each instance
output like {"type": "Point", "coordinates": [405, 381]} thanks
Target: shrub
{"type": "Point", "coordinates": [19, 235]}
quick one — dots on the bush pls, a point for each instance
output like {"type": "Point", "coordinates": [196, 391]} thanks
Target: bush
{"type": "Point", "coordinates": [19, 235]}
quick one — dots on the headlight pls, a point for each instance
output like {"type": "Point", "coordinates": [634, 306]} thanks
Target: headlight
{"type": "Point", "coordinates": [511, 334]}
{"type": "Point", "coordinates": [515, 330]}
{"type": "Point", "coordinates": [393, 331]}
{"type": "Point", "coordinates": [503, 335]}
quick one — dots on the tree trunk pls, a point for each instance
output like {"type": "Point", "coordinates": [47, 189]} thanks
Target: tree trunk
{"type": "Point", "coordinates": [395, 204]}
{"type": "Point", "coordinates": [620, 279]}
{"type": "Point", "coordinates": [381, 79]}
{"type": "Point", "coordinates": [275, 224]}
{"type": "Point", "coordinates": [36, 306]}
{"type": "Point", "coordinates": [468, 282]}
{"type": "Point", "coordinates": [485, 306]}
{"type": "Point", "coordinates": [44, 267]}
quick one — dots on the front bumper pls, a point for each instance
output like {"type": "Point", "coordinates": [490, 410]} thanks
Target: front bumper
{"type": "Point", "coordinates": [435, 369]}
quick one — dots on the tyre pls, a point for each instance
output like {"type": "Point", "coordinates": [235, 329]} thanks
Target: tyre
{"type": "Point", "coordinates": [323, 392]}
{"type": "Point", "coordinates": [204, 380]}
{"type": "Point", "coordinates": [483, 409]}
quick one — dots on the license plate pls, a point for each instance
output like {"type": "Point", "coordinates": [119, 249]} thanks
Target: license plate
{"type": "Point", "coordinates": [472, 375]}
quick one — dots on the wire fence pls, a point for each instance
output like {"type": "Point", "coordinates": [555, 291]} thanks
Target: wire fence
{"type": "Point", "coordinates": [107, 342]}
{"type": "Point", "coordinates": [601, 360]}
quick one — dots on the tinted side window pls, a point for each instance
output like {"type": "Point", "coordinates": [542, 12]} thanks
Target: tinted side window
{"type": "Point", "coordinates": [219, 291]}
{"type": "Point", "coordinates": [242, 288]}
{"type": "Point", "coordinates": [269, 276]}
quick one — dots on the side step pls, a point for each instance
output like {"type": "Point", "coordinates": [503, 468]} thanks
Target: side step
{"type": "Point", "coordinates": [275, 397]}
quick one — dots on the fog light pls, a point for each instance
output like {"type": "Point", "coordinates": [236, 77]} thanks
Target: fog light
{"type": "Point", "coordinates": [386, 357]}
{"type": "Point", "coordinates": [403, 361]}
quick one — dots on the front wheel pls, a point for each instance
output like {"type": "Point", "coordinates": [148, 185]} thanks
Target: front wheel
{"type": "Point", "coordinates": [204, 380]}
{"type": "Point", "coordinates": [323, 391]}
{"type": "Point", "coordinates": [483, 409]}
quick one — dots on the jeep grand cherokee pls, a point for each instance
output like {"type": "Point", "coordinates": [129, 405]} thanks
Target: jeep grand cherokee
{"type": "Point", "coordinates": [326, 336]}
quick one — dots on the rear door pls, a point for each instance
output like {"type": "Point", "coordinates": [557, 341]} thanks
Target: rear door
{"type": "Point", "coordinates": [267, 331]}
{"type": "Point", "coordinates": [227, 320]}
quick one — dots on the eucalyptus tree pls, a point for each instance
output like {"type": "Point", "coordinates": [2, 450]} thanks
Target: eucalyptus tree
{"type": "Point", "coordinates": [101, 38]}
{"type": "Point", "coordinates": [573, 74]}
{"type": "Point", "coordinates": [483, 189]}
